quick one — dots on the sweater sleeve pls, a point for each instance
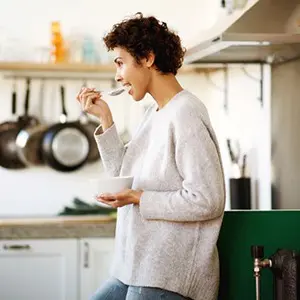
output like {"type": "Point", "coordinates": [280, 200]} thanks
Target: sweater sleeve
{"type": "Point", "coordinates": [197, 157]}
{"type": "Point", "coordinates": [111, 149]}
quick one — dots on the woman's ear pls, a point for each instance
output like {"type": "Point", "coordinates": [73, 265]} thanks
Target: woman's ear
{"type": "Point", "coordinates": [150, 60]}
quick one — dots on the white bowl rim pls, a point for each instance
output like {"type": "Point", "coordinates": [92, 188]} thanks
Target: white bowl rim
{"type": "Point", "coordinates": [111, 178]}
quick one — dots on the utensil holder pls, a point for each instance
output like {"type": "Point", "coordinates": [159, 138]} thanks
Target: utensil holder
{"type": "Point", "coordinates": [240, 193]}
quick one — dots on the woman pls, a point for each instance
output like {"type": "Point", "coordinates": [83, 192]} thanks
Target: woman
{"type": "Point", "coordinates": [168, 223]}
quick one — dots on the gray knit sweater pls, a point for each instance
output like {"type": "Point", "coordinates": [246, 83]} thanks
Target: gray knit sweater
{"type": "Point", "coordinates": [169, 240]}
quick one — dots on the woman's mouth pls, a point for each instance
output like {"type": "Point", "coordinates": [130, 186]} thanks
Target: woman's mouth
{"type": "Point", "coordinates": [129, 89]}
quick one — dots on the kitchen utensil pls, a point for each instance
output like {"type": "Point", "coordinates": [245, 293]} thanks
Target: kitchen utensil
{"type": "Point", "coordinates": [29, 141]}
{"type": "Point", "coordinates": [243, 172]}
{"type": "Point", "coordinates": [26, 119]}
{"type": "Point", "coordinates": [115, 92]}
{"type": "Point", "coordinates": [13, 122]}
{"type": "Point", "coordinates": [125, 135]}
{"type": "Point", "coordinates": [235, 155]}
{"type": "Point", "coordinates": [8, 150]}
{"type": "Point", "coordinates": [65, 146]}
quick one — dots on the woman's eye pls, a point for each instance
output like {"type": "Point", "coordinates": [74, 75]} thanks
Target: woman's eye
{"type": "Point", "coordinates": [119, 63]}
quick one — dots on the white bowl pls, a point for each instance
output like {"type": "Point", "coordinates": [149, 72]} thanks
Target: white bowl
{"type": "Point", "coordinates": [110, 185]}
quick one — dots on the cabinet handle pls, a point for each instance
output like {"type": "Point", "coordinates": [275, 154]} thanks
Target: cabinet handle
{"type": "Point", "coordinates": [86, 255]}
{"type": "Point", "coordinates": [16, 247]}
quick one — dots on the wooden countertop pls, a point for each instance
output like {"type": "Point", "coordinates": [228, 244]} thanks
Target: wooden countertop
{"type": "Point", "coordinates": [58, 227]}
{"type": "Point", "coordinates": [67, 220]}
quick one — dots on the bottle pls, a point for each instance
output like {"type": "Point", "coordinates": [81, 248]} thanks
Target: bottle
{"type": "Point", "coordinates": [73, 44]}
{"type": "Point", "coordinates": [57, 42]}
{"type": "Point", "coordinates": [89, 51]}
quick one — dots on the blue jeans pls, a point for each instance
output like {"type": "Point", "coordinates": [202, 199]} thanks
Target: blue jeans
{"type": "Point", "coordinates": [114, 289]}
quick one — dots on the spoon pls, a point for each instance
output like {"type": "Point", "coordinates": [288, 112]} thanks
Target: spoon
{"type": "Point", "coordinates": [115, 92]}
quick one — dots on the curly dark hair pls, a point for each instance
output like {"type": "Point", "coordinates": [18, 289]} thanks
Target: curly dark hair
{"type": "Point", "coordinates": [141, 35]}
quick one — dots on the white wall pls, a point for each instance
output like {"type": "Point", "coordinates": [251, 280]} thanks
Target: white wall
{"type": "Point", "coordinates": [27, 23]}
{"type": "Point", "coordinates": [246, 121]}
{"type": "Point", "coordinates": [24, 31]}
{"type": "Point", "coordinates": [42, 190]}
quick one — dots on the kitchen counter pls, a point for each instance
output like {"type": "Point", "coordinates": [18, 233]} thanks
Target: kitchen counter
{"type": "Point", "coordinates": [58, 227]}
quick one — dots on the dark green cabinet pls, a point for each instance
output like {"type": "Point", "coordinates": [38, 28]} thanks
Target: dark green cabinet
{"type": "Point", "coordinates": [274, 229]}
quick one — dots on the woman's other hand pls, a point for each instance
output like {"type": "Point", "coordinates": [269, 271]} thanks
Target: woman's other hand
{"type": "Point", "coordinates": [92, 103]}
{"type": "Point", "coordinates": [125, 197]}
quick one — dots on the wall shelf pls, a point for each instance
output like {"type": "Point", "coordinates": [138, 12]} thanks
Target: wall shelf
{"type": "Point", "coordinates": [77, 71]}
{"type": "Point", "coordinates": [53, 71]}
{"type": "Point", "coordinates": [59, 67]}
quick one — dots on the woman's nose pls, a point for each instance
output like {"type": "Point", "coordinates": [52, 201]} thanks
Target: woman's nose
{"type": "Point", "coordinates": [118, 78]}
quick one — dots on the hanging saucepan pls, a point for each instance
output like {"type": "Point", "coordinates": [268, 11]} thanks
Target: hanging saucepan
{"type": "Point", "coordinates": [29, 141]}
{"type": "Point", "coordinates": [8, 150]}
{"type": "Point", "coordinates": [65, 145]}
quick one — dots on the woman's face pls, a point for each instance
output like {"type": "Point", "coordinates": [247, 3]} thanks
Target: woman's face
{"type": "Point", "coordinates": [130, 73]}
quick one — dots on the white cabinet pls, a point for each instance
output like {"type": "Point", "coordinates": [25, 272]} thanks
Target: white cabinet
{"type": "Point", "coordinates": [95, 261]}
{"type": "Point", "coordinates": [39, 269]}
{"type": "Point", "coordinates": [53, 269]}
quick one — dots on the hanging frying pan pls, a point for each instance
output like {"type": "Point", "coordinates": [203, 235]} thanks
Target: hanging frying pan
{"type": "Point", "coordinates": [9, 158]}
{"type": "Point", "coordinates": [29, 141]}
{"type": "Point", "coordinates": [65, 146]}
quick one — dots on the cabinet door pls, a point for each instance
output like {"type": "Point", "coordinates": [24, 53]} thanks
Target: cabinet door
{"type": "Point", "coordinates": [95, 261]}
{"type": "Point", "coordinates": [39, 269]}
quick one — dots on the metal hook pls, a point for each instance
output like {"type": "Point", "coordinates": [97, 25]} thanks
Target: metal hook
{"type": "Point", "coordinates": [260, 80]}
